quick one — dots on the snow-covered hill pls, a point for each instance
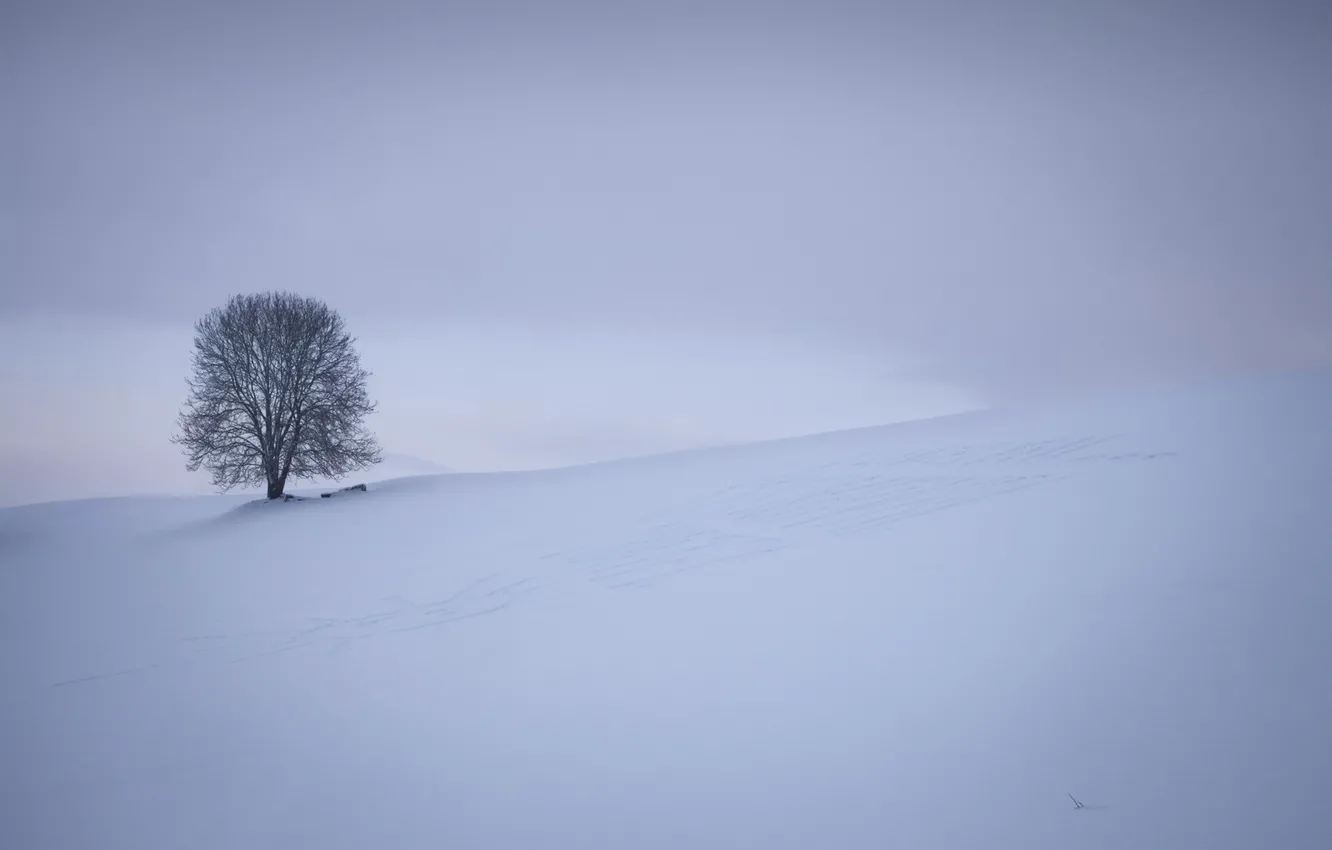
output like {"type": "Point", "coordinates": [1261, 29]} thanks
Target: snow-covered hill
{"type": "Point", "coordinates": [921, 636]}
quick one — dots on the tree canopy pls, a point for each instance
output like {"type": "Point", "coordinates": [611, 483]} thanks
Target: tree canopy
{"type": "Point", "coordinates": [276, 392]}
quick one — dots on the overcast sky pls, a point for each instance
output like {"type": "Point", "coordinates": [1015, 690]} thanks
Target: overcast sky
{"type": "Point", "coordinates": [565, 231]}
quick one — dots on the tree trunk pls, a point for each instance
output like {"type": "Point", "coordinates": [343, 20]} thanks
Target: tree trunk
{"type": "Point", "coordinates": [275, 488]}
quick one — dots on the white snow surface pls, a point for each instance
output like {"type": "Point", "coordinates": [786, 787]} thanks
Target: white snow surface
{"type": "Point", "coordinates": [919, 636]}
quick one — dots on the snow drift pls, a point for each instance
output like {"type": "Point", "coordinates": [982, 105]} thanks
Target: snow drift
{"type": "Point", "coordinates": [918, 636]}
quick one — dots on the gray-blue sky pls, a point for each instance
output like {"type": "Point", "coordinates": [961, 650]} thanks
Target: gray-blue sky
{"type": "Point", "coordinates": [590, 229]}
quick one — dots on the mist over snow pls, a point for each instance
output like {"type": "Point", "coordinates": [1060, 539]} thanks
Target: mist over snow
{"type": "Point", "coordinates": [924, 635]}
{"type": "Point", "coordinates": [92, 409]}
{"type": "Point", "coordinates": [587, 230]}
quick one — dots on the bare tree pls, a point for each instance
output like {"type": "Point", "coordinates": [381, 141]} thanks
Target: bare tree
{"type": "Point", "coordinates": [276, 391]}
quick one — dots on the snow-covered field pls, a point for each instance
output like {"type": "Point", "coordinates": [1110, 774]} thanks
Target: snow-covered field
{"type": "Point", "coordinates": [921, 636]}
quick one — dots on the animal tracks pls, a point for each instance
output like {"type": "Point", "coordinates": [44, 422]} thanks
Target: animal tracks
{"type": "Point", "coordinates": [733, 521]}
{"type": "Point", "coordinates": [860, 495]}
{"type": "Point", "coordinates": [487, 595]}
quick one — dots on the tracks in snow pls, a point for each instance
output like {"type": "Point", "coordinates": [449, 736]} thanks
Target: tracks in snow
{"type": "Point", "coordinates": [864, 494]}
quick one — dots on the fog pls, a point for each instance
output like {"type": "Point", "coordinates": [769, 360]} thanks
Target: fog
{"type": "Point", "coordinates": [567, 232]}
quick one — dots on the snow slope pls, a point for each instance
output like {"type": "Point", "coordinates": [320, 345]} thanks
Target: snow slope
{"type": "Point", "coordinates": [920, 636]}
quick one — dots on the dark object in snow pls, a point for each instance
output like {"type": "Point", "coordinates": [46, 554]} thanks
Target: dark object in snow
{"type": "Point", "coordinates": [1076, 804]}
{"type": "Point", "coordinates": [360, 487]}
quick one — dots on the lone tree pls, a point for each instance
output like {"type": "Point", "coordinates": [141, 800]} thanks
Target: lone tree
{"type": "Point", "coordinates": [276, 391]}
